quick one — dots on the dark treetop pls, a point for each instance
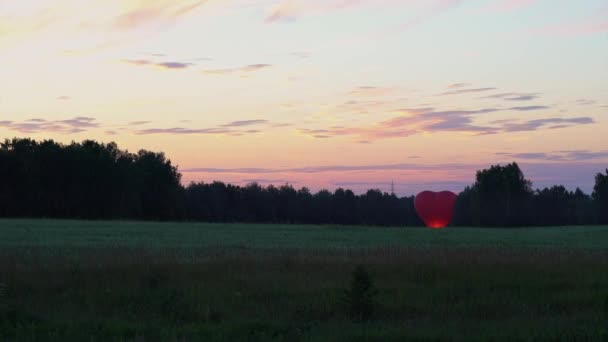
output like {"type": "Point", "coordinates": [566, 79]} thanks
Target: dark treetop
{"type": "Point", "coordinates": [92, 180]}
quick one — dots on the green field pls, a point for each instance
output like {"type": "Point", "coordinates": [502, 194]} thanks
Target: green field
{"type": "Point", "coordinates": [133, 281]}
{"type": "Point", "coordinates": [57, 233]}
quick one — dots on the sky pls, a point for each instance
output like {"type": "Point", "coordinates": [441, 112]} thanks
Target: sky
{"type": "Point", "coordinates": [355, 94]}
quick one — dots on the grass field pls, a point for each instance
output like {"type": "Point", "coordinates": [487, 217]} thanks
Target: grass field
{"type": "Point", "coordinates": [73, 280]}
{"type": "Point", "coordinates": [58, 233]}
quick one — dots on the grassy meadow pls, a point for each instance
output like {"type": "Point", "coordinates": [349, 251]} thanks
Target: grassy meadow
{"type": "Point", "coordinates": [60, 234]}
{"type": "Point", "coordinates": [134, 281]}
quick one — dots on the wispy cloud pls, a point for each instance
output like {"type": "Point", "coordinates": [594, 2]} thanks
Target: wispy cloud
{"type": "Point", "coordinates": [464, 88]}
{"type": "Point", "coordinates": [528, 108]}
{"type": "Point", "coordinates": [289, 10]}
{"type": "Point", "coordinates": [240, 70]}
{"type": "Point", "coordinates": [85, 26]}
{"type": "Point", "coordinates": [83, 124]}
{"type": "Point", "coordinates": [585, 102]}
{"type": "Point", "coordinates": [508, 5]}
{"type": "Point", "coordinates": [245, 123]}
{"type": "Point", "coordinates": [300, 54]}
{"type": "Point", "coordinates": [157, 11]}
{"type": "Point", "coordinates": [420, 120]}
{"type": "Point", "coordinates": [550, 123]}
{"type": "Point", "coordinates": [457, 85]}
{"type": "Point", "coordinates": [234, 128]}
{"type": "Point", "coordinates": [138, 123]}
{"type": "Point", "coordinates": [182, 130]}
{"type": "Point", "coordinates": [448, 176]}
{"type": "Point", "coordinates": [74, 125]}
{"type": "Point", "coordinates": [173, 65]}
{"type": "Point", "coordinates": [20, 20]}
{"type": "Point", "coordinates": [576, 28]}
{"type": "Point", "coordinates": [329, 168]}
{"type": "Point", "coordinates": [410, 187]}
{"type": "Point", "coordinates": [267, 181]}
{"type": "Point", "coordinates": [437, 7]}
{"type": "Point", "coordinates": [467, 91]}
{"type": "Point", "coordinates": [422, 12]}
{"type": "Point", "coordinates": [162, 65]}
{"type": "Point", "coordinates": [513, 96]}
{"type": "Point", "coordinates": [362, 106]}
{"type": "Point", "coordinates": [372, 91]}
{"type": "Point", "coordinates": [591, 24]}
{"type": "Point", "coordinates": [574, 155]}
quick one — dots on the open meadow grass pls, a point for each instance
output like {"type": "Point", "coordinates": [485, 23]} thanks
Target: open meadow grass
{"type": "Point", "coordinates": [152, 235]}
{"type": "Point", "coordinates": [103, 281]}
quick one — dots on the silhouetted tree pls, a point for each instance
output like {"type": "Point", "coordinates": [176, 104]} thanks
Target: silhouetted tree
{"type": "Point", "coordinates": [500, 196]}
{"type": "Point", "coordinates": [600, 196]}
{"type": "Point", "coordinates": [92, 180]}
{"type": "Point", "coordinates": [581, 206]}
{"type": "Point", "coordinates": [86, 180]}
{"type": "Point", "coordinates": [552, 206]}
{"type": "Point", "coordinates": [466, 209]}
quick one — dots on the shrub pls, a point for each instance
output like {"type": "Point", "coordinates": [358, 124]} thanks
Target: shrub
{"type": "Point", "coordinates": [360, 296]}
{"type": "Point", "coordinates": [3, 304]}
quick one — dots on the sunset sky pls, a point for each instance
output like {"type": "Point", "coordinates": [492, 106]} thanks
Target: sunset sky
{"type": "Point", "coordinates": [318, 93]}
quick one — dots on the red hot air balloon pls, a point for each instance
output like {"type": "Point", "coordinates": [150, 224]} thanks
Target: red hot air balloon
{"type": "Point", "coordinates": [435, 208]}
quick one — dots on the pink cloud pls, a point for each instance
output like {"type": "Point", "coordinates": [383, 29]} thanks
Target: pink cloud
{"type": "Point", "coordinates": [509, 5]}
{"type": "Point", "coordinates": [427, 13]}
{"type": "Point", "coordinates": [582, 27]}
{"type": "Point", "coordinates": [423, 120]}
{"type": "Point", "coordinates": [82, 27]}
{"type": "Point", "coordinates": [409, 178]}
{"type": "Point", "coordinates": [293, 9]}
{"type": "Point", "coordinates": [143, 15]}
{"type": "Point", "coordinates": [596, 23]}
{"type": "Point", "coordinates": [439, 7]}
{"type": "Point", "coordinates": [70, 126]}
{"type": "Point", "coordinates": [242, 70]}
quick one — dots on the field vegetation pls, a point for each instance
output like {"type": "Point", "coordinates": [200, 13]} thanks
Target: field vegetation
{"type": "Point", "coordinates": [133, 281]}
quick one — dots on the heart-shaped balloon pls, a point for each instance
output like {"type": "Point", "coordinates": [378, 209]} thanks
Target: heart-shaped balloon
{"type": "Point", "coordinates": [435, 208]}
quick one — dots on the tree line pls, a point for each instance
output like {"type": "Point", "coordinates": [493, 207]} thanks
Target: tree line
{"type": "Point", "coordinates": [92, 180]}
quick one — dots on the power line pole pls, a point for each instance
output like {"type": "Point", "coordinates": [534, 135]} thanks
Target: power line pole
{"type": "Point", "coordinates": [392, 187]}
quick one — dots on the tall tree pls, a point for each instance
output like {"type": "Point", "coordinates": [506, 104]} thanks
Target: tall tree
{"type": "Point", "coordinates": [87, 180]}
{"type": "Point", "coordinates": [600, 196]}
{"type": "Point", "coordinates": [92, 180]}
{"type": "Point", "coordinates": [501, 196]}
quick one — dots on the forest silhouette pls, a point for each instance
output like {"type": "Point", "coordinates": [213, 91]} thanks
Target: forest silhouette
{"type": "Point", "coordinates": [92, 180]}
